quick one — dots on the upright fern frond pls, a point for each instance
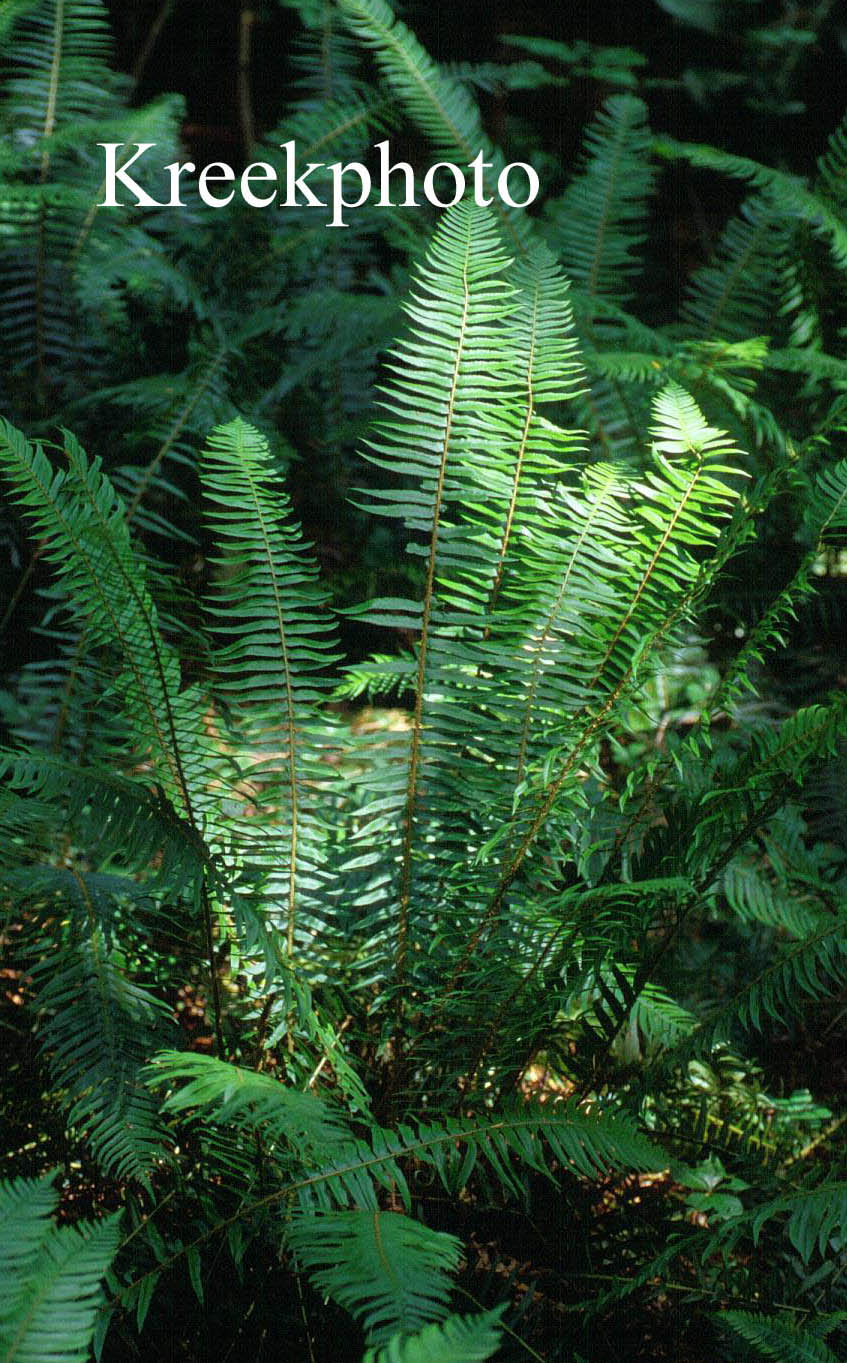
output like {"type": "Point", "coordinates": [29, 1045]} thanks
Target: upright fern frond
{"type": "Point", "coordinates": [451, 370]}
{"type": "Point", "coordinates": [601, 220]}
{"type": "Point", "coordinates": [270, 667]}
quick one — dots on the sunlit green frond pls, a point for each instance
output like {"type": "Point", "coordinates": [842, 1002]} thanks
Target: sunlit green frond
{"type": "Point", "coordinates": [273, 647]}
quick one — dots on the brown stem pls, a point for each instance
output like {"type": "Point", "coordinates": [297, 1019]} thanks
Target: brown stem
{"type": "Point", "coordinates": [245, 99]}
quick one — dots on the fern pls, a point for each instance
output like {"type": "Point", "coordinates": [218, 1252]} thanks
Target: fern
{"type": "Point", "coordinates": [51, 1290]}
{"type": "Point", "coordinates": [273, 672]}
{"type": "Point", "coordinates": [389, 1271]}
{"type": "Point", "coordinates": [772, 1337]}
{"type": "Point", "coordinates": [439, 104]}
{"type": "Point", "coordinates": [315, 1135]}
{"type": "Point", "coordinates": [458, 1339]}
{"type": "Point", "coordinates": [600, 221]}
{"type": "Point", "coordinates": [101, 1030]}
{"type": "Point", "coordinates": [533, 871]}
{"type": "Point", "coordinates": [62, 95]}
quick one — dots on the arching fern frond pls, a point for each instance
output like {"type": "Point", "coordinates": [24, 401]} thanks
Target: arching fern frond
{"type": "Point", "coordinates": [88, 543]}
{"type": "Point", "coordinates": [440, 105]}
{"type": "Point", "coordinates": [337, 1167]}
{"type": "Point", "coordinates": [795, 201]}
{"type": "Point", "coordinates": [121, 819]}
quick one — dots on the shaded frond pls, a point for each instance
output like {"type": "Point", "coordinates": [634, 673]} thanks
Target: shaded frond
{"type": "Point", "coordinates": [437, 102]}
{"type": "Point", "coordinates": [601, 219]}
{"type": "Point", "coordinates": [390, 1272]}
{"type": "Point", "coordinates": [775, 1338]}
{"type": "Point", "coordinates": [102, 1029]}
{"type": "Point", "coordinates": [50, 1289]}
{"type": "Point", "coordinates": [458, 1339]}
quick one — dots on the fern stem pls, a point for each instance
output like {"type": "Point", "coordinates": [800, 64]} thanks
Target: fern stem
{"type": "Point", "coordinates": [150, 40]}
{"type": "Point", "coordinates": [214, 982]}
{"type": "Point", "coordinates": [516, 479]}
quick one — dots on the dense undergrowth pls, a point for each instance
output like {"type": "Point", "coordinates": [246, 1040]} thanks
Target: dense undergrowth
{"type": "Point", "coordinates": [481, 995]}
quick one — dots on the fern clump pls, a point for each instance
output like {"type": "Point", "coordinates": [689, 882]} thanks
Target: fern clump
{"type": "Point", "coordinates": [330, 999]}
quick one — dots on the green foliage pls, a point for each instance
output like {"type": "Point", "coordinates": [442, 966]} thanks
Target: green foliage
{"type": "Point", "coordinates": [513, 945]}
{"type": "Point", "coordinates": [771, 1337]}
{"type": "Point", "coordinates": [386, 1269]}
{"type": "Point", "coordinates": [51, 1290]}
{"type": "Point", "coordinates": [458, 1339]}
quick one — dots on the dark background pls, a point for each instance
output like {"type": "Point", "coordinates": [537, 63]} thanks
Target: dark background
{"type": "Point", "coordinates": [196, 54]}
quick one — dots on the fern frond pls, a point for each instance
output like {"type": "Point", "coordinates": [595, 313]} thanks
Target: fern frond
{"type": "Point", "coordinates": [83, 522]}
{"type": "Point", "coordinates": [50, 1290]}
{"type": "Point", "coordinates": [816, 1214]}
{"type": "Point", "coordinates": [601, 220]}
{"type": "Point", "coordinates": [103, 1028]}
{"type": "Point", "coordinates": [808, 969]}
{"type": "Point", "coordinates": [449, 372]}
{"type": "Point", "coordinates": [387, 1270]}
{"type": "Point", "coordinates": [773, 1337]}
{"type": "Point", "coordinates": [61, 51]}
{"type": "Point", "coordinates": [796, 202]}
{"type": "Point", "coordinates": [337, 1167]}
{"type": "Point", "coordinates": [271, 666]}
{"type": "Point", "coordinates": [118, 818]}
{"type": "Point", "coordinates": [734, 294]}
{"type": "Point", "coordinates": [458, 1339]}
{"type": "Point", "coordinates": [440, 105]}
{"type": "Point", "coordinates": [67, 268]}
